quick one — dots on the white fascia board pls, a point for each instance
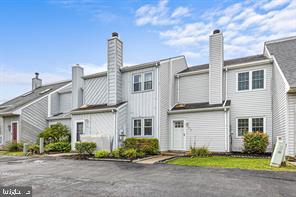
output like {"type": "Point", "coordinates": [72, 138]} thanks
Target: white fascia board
{"type": "Point", "coordinates": [94, 111]}
{"type": "Point", "coordinates": [199, 110]}
{"type": "Point", "coordinates": [18, 111]}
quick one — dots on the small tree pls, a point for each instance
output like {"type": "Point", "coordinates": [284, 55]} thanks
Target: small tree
{"type": "Point", "coordinates": [255, 142]}
{"type": "Point", "coordinates": [55, 133]}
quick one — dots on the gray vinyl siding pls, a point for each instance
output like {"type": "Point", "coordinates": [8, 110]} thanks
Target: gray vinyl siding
{"type": "Point", "coordinates": [65, 103]}
{"type": "Point", "coordinates": [33, 120]}
{"type": "Point", "coordinates": [140, 104]}
{"type": "Point", "coordinates": [253, 103]}
{"type": "Point", "coordinates": [291, 149]}
{"type": "Point", "coordinates": [96, 125]}
{"type": "Point", "coordinates": [114, 74]}
{"type": "Point", "coordinates": [95, 91]}
{"type": "Point", "coordinates": [54, 103]}
{"type": "Point", "coordinates": [66, 122]}
{"type": "Point", "coordinates": [194, 88]}
{"type": "Point", "coordinates": [279, 105]}
{"type": "Point", "coordinates": [203, 129]}
{"type": "Point", "coordinates": [6, 122]}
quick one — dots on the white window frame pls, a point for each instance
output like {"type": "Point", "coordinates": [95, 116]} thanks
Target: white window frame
{"type": "Point", "coordinates": [250, 124]}
{"type": "Point", "coordinates": [17, 132]}
{"type": "Point", "coordinates": [141, 79]}
{"type": "Point", "coordinates": [79, 121]}
{"type": "Point", "coordinates": [251, 80]}
{"type": "Point", "coordinates": [142, 74]}
{"type": "Point", "coordinates": [142, 127]}
{"type": "Point", "coordinates": [144, 80]}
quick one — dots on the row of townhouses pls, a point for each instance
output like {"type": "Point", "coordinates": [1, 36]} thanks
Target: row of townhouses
{"type": "Point", "coordinates": [210, 105]}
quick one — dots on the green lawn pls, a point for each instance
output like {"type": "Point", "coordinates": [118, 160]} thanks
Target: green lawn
{"type": "Point", "coordinates": [230, 162]}
{"type": "Point", "coordinates": [6, 153]}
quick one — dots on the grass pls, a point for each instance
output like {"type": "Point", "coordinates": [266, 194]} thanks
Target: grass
{"type": "Point", "coordinates": [230, 162]}
{"type": "Point", "coordinates": [6, 153]}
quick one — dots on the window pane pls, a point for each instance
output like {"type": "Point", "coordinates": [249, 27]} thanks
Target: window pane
{"type": "Point", "coordinates": [137, 87]}
{"type": "Point", "coordinates": [137, 78]}
{"type": "Point", "coordinates": [258, 124]}
{"type": "Point", "coordinates": [137, 127]}
{"type": "Point", "coordinates": [147, 126]}
{"type": "Point", "coordinates": [258, 79]}
{"type": "Point", "coordinates": [243, 81]}
{"type": "Point", "coordinates": [147, 85]}
{"type": "Point", "coordinates": [148, 81]}
{"type": "Point", "coordinates": [79, 127]}
{"type": "Point", "coordinates": [242, 126]}
{"type": "Point", "coordinates": [178, 124]}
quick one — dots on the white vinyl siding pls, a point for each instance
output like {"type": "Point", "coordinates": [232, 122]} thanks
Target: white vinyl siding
{"type": "Point", "coordinates": [65, 102]}
{"type": "Point", "coordinates": [246, 104]}
{"type": "Point", "coordinates": [193, 88]}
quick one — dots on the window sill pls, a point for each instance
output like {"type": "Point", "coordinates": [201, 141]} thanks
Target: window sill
{"type": "Point", "coordinates": [142, 91]}
{"type": "Point", "coordinates": [252, 90]}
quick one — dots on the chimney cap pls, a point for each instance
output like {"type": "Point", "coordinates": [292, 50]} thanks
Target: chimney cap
{"type": "Point", "coordinates": [36, 75]}
{"type": "Point", "coordinates": [216, 31]}
{"type": "Point", "coordinates": [114, 34]}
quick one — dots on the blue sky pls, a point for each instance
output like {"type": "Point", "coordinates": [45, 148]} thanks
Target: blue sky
{"type": "Point", "coordinates": [50, 36]}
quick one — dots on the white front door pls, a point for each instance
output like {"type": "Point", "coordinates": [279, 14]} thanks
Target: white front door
{"type": "Point", "coordinates": [178, 135]}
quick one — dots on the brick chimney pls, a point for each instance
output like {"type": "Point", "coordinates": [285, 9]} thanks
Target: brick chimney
{"type": "Point", "coordinates": [114, 64]}
{"type": "Point", "coordinates": [216, 61]}
{"type": "Point", "coordinates": [36, 82]}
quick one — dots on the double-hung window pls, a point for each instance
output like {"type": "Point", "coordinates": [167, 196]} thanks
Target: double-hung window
{"type": "Point", "coordinates": [143, 78]}
{"type": "Point", "coordinates": [148, 81]}
{"type": "Point", "coordinates": [137, 83]}
{"type": "Point", "coordinates": [142, 127]}
{"type": "Point", "coordinates": [245, 125]}
{"type": "Point", "coordinates": [250, 80]}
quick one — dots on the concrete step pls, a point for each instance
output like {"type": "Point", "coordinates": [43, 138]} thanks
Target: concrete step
{"type": "Point", "coordinates": [153, 159]}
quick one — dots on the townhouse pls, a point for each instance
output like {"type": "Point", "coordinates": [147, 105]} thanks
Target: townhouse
{"type": "Point", "coordinates": [210, 105]}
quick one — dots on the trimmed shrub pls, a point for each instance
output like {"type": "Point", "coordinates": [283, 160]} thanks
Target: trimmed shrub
{"type": "Point", "coordinates": [117, 153]}
{"type": "Point", "coordinates": [34, 148]}
{"type": "Point", "coordinates": [61, 147]}
{"type": "Point", "coordinates": [130, 153]}
{"type": "Point", "coordinates": [255, 142]}
{"type": "Point", "coordinates": [14, 147]}
{"type": "Point", "coordinates": [148, 146]}
{"type": "Point", "coordinates": [55, 133]}
{"type": "Point", "coordinates": [86, 147]}
{"type": "Point", "coordinates": [199, 152]}
{"type": "Point", "coordinates": [102, 154]}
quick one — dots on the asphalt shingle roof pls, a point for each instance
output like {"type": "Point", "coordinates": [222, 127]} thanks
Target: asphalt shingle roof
{"type": "Point", "coordinates": [100, 106]}
{"type": "Point", "coordinates": [28, 97]}
{"type": "Point", "coordinates": [227, 62]}
{"type": "Point", "coordinates": [198, 105]}
{"type": "Point", "coordinates": [285, 55]}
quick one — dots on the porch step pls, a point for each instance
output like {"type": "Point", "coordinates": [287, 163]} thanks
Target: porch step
{"type": "Point", "coordinates": [174, 153]}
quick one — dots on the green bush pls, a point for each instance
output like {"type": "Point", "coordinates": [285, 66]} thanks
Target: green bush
{"type": "Point", "coordinates": [130, 153]}
{"type": "Point", "coordinates": [61, 147]}
{"type": "Point", "coordinates": [255, 142]}
{"type": "Point", "coordinates": [55, 133]}
{"type": "Point", "coordinates": [117, 153]}
{"type": "Point", "coordinates": [14, 147]}
{"type": "Point", "coordinates": [148, 146]}
{"type": "Point", "coordinates": [86, 147]}
{"type": "Point", "coordinates": [34, 148]}
{"type": "Point", "coordinates": [102, 154]}
{"type": "Point", "coordinates": [199, 152]}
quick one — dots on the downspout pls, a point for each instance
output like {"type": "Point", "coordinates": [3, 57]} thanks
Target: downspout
{"type": "Point", "coordinates": [225, 116]}
{"type": "Point", "coordinates": [178, 89]}
{"type": "Point", "coordinates": [115, 136]}
{"type": "Point", "coordinates": [158, 100]}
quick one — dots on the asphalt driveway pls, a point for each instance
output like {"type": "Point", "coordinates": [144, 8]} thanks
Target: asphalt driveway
{"type": "Point", "coordinates": [62, 177]}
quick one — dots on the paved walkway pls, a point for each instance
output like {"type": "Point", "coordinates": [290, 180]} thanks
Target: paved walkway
{"type": "Point", "coordinates": [154, 159]}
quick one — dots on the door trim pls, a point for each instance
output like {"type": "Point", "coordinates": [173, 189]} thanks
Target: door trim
{"type": "Point", "coordinates": [17, 131]}
{"type": "Point", "coordinates": [172, 135]}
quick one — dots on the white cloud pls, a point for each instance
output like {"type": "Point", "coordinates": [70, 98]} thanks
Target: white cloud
{"type": "Point", "coordinates": [181, 11]}
{"type": "Point", "coordinates": [159, 15]}
{"type": "Point", "coordinates": [246, 26]}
